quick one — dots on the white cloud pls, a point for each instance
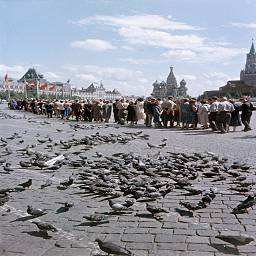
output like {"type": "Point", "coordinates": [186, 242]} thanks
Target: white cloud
{"type": "Point", "coordinates": [141, 21]}
{"type": "Point", "coordinates": [16, 71]}
{"type": "Point", "coordinates": [188, 77]}
{"type": "Point", "coordinates": [86, 77]}
{"type": "Point", "coordinates": [52, 75]}
{"type": "Point", "coordinates": [244, 25]}
{"type": "Point", "coordinates": [139, 61]}
{"type": "Point", "coordinates": [93, 44]}
{"type": "Point", "coordinates": [135, 36]}
{"type": "Point", "coordinates": [207, 53]}
{"type": "Point", "coordinates": [207, 82]}
{"type": "Point", "coordinates": [127, 81]}
{"type": "Point", "coordinates": [179, 54]}
{"type": "Point", "coordinates": [161, 32]}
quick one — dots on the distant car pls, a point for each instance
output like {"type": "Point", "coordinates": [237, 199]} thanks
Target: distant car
{"type": "Point", "coordinates": [3, 101]}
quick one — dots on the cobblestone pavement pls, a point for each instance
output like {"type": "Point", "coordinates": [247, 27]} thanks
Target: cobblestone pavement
{"type": "Point", "coordinates": [175, 235]}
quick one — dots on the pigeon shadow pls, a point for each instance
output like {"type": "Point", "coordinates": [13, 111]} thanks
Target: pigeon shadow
{"type": "Point", "coordinates": [91, 224]}
{"type": "Point", "coordinates": [24, 218]}
{"type": "Point", "coordinates": [225, 249]}
{"type": "Point", "coordinates": [184, 212]}
{"type": "Point", "coordinates": [62, 209]}
{"type": "Point", "coordinates": [145, 215]}
{"type": "Point", "coordinates": [246, 137]}
{"type": "Point", "coordinates": [146, 200]}
{"type": "Point", "coordinates": [108, 198]}
{"type": "Point", "coordinates": [117, 213]}
{"type": "Point", "coordinates": [40, 234]}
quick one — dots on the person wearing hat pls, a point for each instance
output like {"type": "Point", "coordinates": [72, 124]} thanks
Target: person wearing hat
{"type": "Point", "coordinates": [224, 114]}
{"type": "Point", "coordinates": [246, 114]}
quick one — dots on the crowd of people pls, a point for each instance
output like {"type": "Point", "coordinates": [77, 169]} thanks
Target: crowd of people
{"type": "Point", "coordinates": [215, 113]}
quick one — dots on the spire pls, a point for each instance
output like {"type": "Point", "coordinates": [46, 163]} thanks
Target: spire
{"type": "Point", "coordinates": [252, 50]}
{"type": "Point", "coordinates": [171, 80]}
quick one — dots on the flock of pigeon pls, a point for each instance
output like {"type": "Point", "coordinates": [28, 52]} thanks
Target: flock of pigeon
{"type": "Point", "coordinates": [125, 179]}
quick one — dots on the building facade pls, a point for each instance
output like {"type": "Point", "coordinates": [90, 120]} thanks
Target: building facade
{"type": "Point", "coordinates": [170, 87]}
{"type": "Point", "coordinates": [96, 92]}
{"type": "Point", "coordinates": [35, 84]}
{"type": "Point", "coordinates": [247, 83]}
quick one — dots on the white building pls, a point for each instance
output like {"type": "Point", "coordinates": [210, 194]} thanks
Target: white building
{"type": "Point", "coordinates": [96, 92]}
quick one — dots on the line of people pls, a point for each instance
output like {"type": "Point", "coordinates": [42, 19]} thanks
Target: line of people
{"type": "Point", "coordinates": [215, 113]}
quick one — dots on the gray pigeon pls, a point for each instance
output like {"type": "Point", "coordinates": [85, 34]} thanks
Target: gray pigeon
{"type": "Point", "coordinates": [35, 212]}
{"type": "Point", "coordinates": [111, 248]}
{"type": "Point", "coordinates": [43, 226]}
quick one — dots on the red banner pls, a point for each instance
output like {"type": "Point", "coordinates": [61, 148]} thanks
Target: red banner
{"type": "Point", "coordinates": [43, 86]}
{"type": "Point", "coordinates": [52, 87]}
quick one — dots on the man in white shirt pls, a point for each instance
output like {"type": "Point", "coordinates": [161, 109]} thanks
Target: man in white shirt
{"type": "Point", "coordinates": [224, 114]}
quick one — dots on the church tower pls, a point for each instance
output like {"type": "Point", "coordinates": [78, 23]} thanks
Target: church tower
{"type": "Point", "coordinates": [171, 84]}
{"type": "Point", "coordinates": [248, 75]}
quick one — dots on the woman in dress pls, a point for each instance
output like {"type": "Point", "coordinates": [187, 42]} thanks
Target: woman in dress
{"type": "Point", "coordinates": [202, 113]}
{"type": "Point", "coordinates": [140, 109]}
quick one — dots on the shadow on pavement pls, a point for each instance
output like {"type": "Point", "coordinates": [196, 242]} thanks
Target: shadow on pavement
{"type": "Point", "coordinates": [225, 249]}
{"type": "Point", "coordinates": [41, 234]}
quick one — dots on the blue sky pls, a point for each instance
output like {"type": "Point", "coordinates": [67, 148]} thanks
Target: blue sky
{"type": "Point", "coordinates": [127, 44]}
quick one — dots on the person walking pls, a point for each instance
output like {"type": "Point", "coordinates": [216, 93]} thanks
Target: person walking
{"type": "Point", "coordinates": [224, 115]}
{"type": "Point", "coordinates": [131, 113]}
{"type": "Point", "coordinates": [213, 113]}
{"type": "Point", "coordinates": [235, 115]}
{"type": "Point", "coordinates": [140, 109]}
{"type": "Point", "coordinates": [202, 113]}
{"type": "Point", "coordinates": [76, 108]}
{"type": "Point", "coordinates": [168, 107]}
{"type": "Point", "coordinates": [246, 114]}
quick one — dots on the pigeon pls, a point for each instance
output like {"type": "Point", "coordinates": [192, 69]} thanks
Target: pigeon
{"type": "Point", "coordinates": [129, 202]}
{"type": "Point", "coordinates": [154, 209]}
{"type": "Point", "coordinates": [42, 140]}
{"type": "Point", "coordinates": [35, 212]}
{"type": "Point", "coordinates": [240, 240]}
{"type": "Point", "coordinates": [250, 201]}
{"type": "Point", "coordinates": [4, 198]}
{"type": "Point", "coordinates": [99, 154]}
{"type": "Point", "coordinates": [65, 208]}
{"type": "Point", "coordinates": [97, 219]}
{"type": "Point", "coordinates": [117, 206]}
{"type": "Point", "coordinates": [152, 145]}
{"type": "Point", "coordinates": [68, 182]}
{"type": "Point", "coordinates": [25, 164]}
{"type": "Point", "coordinates": [46, 184]}
{"type": "Point", "coordinates": [8, 168]}
{"type": "Point", "coordinates": [44, 226]}
{"type": "Point", "coordinates": [26, 184]}
{"type": "Point", "coordinates": [192, 206]}
{"type": "Point", "coordinates": [111, 248]}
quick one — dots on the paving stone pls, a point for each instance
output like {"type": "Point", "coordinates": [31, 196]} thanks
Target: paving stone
{"type": "Point", "coordinates": [201, 248]}
{"type": "Point", "coordinates": [138, 238]}
{"type": "Point", "coordinates": [163, 238]}
{"type": "Point", "coordinates": [197, 240]}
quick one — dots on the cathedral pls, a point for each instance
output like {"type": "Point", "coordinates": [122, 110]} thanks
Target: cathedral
{"type": "Point", "coordinates": [247, 83]}
{"type": "Point", "coordinates": [170, 87]}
